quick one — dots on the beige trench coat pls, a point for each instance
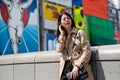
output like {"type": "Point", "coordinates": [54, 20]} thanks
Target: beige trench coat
{"type": "Point", "coordinates": [80, 54]}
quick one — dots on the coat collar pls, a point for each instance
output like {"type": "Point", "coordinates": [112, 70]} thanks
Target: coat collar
{"type": "Point", "coordinates": [74, 30]}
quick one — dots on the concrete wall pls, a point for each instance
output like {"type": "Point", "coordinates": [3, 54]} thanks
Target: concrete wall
{"type": "Point", "coordinates": [106, 62]}
{"type": "Point", "coordinates": [44, 65]}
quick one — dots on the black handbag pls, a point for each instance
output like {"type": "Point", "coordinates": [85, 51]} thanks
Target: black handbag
{"type": "Point", "coordinates": [82, 73]}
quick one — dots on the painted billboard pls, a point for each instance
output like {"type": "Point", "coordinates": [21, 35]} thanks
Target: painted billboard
{"type": "Point", "coordinates": [50, 41]}
{"type": "Point", "coordinates": [18, 26]}
{"type": "Point", "coordinates": [51, 12]}
{"type": "Point", "coordinates": [98, 8]}
{"type": "Point", "coordinates": [78, 17]}
{"type": "Point", "coordinates": [101, 31]}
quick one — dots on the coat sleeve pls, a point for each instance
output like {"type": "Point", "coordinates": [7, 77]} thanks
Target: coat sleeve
{"type": "Point", "coordinates": [85, 49]}
{"type": "Point", "coordinates": [60, 44]}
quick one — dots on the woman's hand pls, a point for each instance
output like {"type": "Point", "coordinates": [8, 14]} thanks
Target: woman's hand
{"type": "Point", "coordinates": [61, 31]}
{"type": "Point", "coordinates": [75, 72]}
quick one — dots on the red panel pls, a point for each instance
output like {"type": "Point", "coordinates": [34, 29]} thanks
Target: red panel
{"type": "Point", "coordinates": [97, 8]}
{"type": "Point", "coordinates": [117, 36]}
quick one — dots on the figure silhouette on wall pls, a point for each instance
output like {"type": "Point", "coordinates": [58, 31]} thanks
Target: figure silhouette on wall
{"type": "Point", "coordinates": [15, 23]}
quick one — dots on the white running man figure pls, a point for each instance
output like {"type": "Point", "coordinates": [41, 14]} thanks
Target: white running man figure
{"type": "Point", "coordinates": [15, 23]}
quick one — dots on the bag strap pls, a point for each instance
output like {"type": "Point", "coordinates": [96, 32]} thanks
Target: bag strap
{"type": "Point", "coordinates": [74, 43]}
{"type": "Point", "coordinates": [74, 39]}
{"type": "Point", "coordinates": [70, 57]}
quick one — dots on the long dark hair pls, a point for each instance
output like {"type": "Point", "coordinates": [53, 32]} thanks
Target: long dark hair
{"type": "Point", "coordinates": [59, 21]}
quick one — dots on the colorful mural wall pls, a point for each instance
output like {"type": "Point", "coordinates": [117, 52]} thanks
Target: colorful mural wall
{"type": "Point", "coordinates": [102, 28]}
{"type": "Point", "coordinates": [18, 26]}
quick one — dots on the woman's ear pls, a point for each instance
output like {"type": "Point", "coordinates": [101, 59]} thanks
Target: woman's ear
{"type": "Point", "coordinates": [59, 23]}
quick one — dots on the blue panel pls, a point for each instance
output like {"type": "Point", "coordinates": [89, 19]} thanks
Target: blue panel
{"type": "Point", "coordinates": [50, 41]}
{"type": "Point", "coordinates": [77, 2]}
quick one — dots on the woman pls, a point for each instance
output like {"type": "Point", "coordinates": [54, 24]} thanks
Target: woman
{"type": "Point", "coordinates": [72, 43]}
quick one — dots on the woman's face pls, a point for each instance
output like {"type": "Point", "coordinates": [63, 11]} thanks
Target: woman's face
{"type": "Point", "coordinates": [66, 21]}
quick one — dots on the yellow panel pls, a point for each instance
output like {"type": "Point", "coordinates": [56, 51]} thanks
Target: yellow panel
{"type": "Point", "coordinates": [78, 17]}
{"type": "Point", "coordinates": [52, 11]}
